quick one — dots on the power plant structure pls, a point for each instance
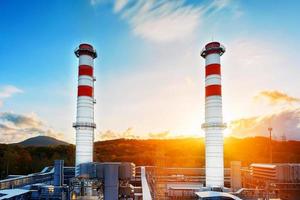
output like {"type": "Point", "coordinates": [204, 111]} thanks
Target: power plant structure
{"type": "Point", "coordinates": [94, 180]}
{"type": "Point", "coordinates": [126, 181]}
{"type": "Point", "coordinates": [84, 124]}
{"type": "Point", "coordinates": [213, 126]}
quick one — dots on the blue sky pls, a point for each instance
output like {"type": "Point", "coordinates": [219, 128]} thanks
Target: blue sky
{"type": "Point", "coordinates": [150, 77]}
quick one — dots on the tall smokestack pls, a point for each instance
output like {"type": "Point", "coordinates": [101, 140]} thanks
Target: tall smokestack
{"type": "Point", "coordinates": [84, 124]}
{"type": "Point", "coordinates": [213, 126]}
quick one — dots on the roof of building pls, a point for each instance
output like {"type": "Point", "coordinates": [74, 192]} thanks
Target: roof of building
{"type": "Point", "coordinates": [185, 186]}
{"type": "Point", "coordinates": [272, 166]}
{"type": "Point", "coordinates": [208, 194]}
{"type": "Point", "coordinates": [5, 194]}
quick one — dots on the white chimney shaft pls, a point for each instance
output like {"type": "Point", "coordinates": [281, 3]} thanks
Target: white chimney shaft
{"type": "Point", "coordinates": [213, 126]}
{"type": "Point", "coordinates": [84, 124]}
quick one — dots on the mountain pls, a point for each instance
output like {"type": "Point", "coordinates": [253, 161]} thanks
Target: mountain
{"type": "Point", "coordinates": [184, 152]}
{"type": "Point", "coordinates": [42, 141]}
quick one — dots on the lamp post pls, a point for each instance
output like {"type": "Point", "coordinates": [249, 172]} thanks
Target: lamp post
{"type": "Point", "coordinates": [270, 144]}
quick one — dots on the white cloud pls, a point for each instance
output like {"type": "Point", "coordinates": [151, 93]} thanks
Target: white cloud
{"type": "Point", "coordinates": [220, 4]}
{"type": "Point", "coordinates": [119, 5]}
{"type": "Point", "coordinates": [7, 92]}
{"type": "Point", "coordinates": [286, 122]}
{"type": "Point", "coordinates": [129, 133]}
{"type": "Point", "coordinates": [171, 27]}
{"type": "Point", "coordinates": [165, 21]}
{"type": "Point", "coordinates": [168, 22]}
{"type": "Point", "coordinates": [275, 97]}
{"type": "Point", "coordinates": [17, 127]}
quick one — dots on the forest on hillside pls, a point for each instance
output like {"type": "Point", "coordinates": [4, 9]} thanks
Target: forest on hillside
{"type": "Point", "coordinates": [15, 159]}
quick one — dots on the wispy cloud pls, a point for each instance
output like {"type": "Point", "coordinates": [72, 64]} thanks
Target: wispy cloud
{"type": "Point", "coordinates": [285, 122]}
{"type": "Point", "coordinates": [131, 134]}
{"type": "Point", "coordinates": [21, 120]}
{"type": "Point", "coordinates": [275, 97]}
{"type": "Point", "coordinates": [120, 4]}
{"type": "Point", "coordinates": [112, 135]}
{"type": "Point", "coordinates": [160, 135]}
{"type": "Point", "coordinates": [163, 20]}
{"type": "Point", "coordinates": [17, 127]}
{"type": "Point", "coordinates": [7, 92]}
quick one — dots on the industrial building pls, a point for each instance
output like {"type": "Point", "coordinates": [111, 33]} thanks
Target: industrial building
{"type": "Point", "coordinates": [125, 181]}
{"type": "Point", "coordinates": [273, 180]}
